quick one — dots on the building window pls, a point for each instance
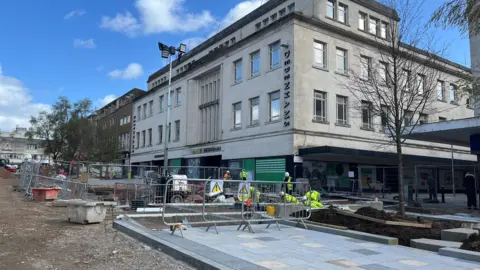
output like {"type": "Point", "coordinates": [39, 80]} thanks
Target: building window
{"type": "Point", "coordinates": [383, 72]}
{"type": "Point", "coordinates": [139, 112]}
{"type": "Point", "coordinates": [177, 130]}
{"type": "Point", "coordinates": [341, 57]}
{"type": "Point", "coordinates": [138, 139]}
{"type": "Point", "coordinates": [121, 121]}
{"type": "Point", "coordinates": [420, 84]}
{"type": "Point", "coordinates": [453, 92]}
{"type": "Point", "coordinates": [362, 21]}
{"type": "Point", "coordinates": [254, 111]}
{"type": "Point", "coordinates": [265, 22]}
{"type": "Point", "coordinates": [384, 118]}
{"type": "Point", "coordinates": [233, 40]}
{"type": "Point", "coordinates": [372, 26]}
{"type": "Point", "coordinates": [342, 13]}
{"type": "Point", "coordinates": [170, 132]}
{"type": "Point", "coordinates": [406, 80]}
{"type": "Point", "coordinates": [342, 110]}
{"type": "Point", "coordinates": [291, 7]}
{"type": "Point", "coordinates": [143, 138]}
{"type": "Point", "coordinates": [237, 115]}
{"type": "Point", "coordinates": [255, 64]}
{"type": "Point", "coordinates": [273, 17]}
{"type": "Point", "coordinates": [440, 91]}
{"type": "Point", "coordinates": [149, 137]}
{"type": "Point", "coordinates": [407, 118]}
{"type": "Point", "coordinates": [442, 119]}
{"type": "Point", "coordinates": [274, 110]}
{"type": "Point", "coordinates": [365, 67]}
{"type": "Point", "coordinates": [367, 115]}
{"type": "Point", "coordinates": [144, 111]}
{"type": "Point", "coordinates": [179, 96]}
{"type": "Point", "coordinates": [383, 30]}
{"type": "Point", "coordinates": [275, 55]}
{"type": "Point", "coordinates": [423, 119]}
{"type": "Point", "coordinates": [320, 54]}
{"type": "Point", "coordinates": [331, 9]}
{"type": "Point", "coordinates": [170, 97]}
{"type": "Point", "coordinates": [150, 108]}
{"type": "Point", "coordinates": [160, 134]}
{"type": "Point", "coordinates": [258, 26]}
{"type": "Point", "coordinates": [31, 146]}
{"type": "Point", "coordinates": [238, 71]}
{"type": "Point", "coordinates": [161, 101]}
{"type": "Point", "coordinates": [282, 12]}
{"type": "Point", "coordinates": [320, 106]}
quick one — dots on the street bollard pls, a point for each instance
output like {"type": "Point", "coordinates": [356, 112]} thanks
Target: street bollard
{"type": "Point", "coordinates": [442, 189]}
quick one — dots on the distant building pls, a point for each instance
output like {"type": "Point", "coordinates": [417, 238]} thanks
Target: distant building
{"type": "Point", "coordinates": [117, 117]}
{"type": "Point", "coordinates": [17, 147]}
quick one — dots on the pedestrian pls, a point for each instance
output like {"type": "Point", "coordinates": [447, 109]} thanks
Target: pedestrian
{"type": "Point", "coordinates": [432, 184]}
{"type": "Point", "coordinates": [287, 179]}
{"type": "Point", "coordinates": [469, 186]}
{"type": "Point", "coordinates": [226, 176]}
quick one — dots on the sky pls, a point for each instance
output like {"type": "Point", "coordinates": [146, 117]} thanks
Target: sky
{"type": "Point", "coordinates": [102, 49]}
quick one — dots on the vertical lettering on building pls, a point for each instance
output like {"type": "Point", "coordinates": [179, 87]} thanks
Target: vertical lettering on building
{"type": "Point", "coordinates": [286, 89]}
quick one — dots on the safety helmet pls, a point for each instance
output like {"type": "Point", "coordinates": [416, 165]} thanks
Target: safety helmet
{"type": "Point", "coordinates": [287, 174]}
{"type": "Point", "coordinates": [304, 198]}
{"type": "Point", "coordinates": [282, 193]}
{"type": "Point", "coordinates": [228, 171]}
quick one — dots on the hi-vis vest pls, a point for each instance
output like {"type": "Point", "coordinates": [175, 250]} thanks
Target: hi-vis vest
{"type": "Point", "coordinates": [243, 175]}
{"type": "Point", "coordinates": [289, 185]}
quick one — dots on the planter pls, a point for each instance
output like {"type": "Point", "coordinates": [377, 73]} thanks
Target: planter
{"type": "Point", "coordinates": [45, 194]}
{"type": "Point", "coordinates": [86, 212]}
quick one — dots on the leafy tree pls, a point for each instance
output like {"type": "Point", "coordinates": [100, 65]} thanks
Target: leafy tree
{"type": "Point", "coordinates": [461, 14]}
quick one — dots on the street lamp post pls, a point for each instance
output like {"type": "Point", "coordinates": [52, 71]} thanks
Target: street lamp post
{"type": "Point", "coordinates": [168, 52]}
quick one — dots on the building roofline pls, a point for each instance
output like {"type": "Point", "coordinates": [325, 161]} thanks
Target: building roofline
{"type": "Point", "coordinates": [124, 95]}
{"type": "Point", "coordinates": [255, 14]}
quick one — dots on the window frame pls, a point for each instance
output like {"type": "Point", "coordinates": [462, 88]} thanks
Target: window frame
{"type": "Point", "coordinates": [331, 8]}
{"type": "Point", "coordinates": [178, 93]}
{"type": "Point", "coordinates": [235, 118]}
{"type": "Point", "coordinates": [144, 138]}
{"type": "Point", "coordinates": [272, 97]}
{"type": "Point", "coordinates": [177, 130]}
{"type": "Point", "coordinates": [376, 21]}
{"type": "Point", "coordinates": [237, 71]}
{"type": "Point", "coordinates": [362, 26]}
{"type": "Point", "coordinates": [150, 137]}
{"type": "Point", "coordinates": [323, 52]}
{"type": "Point", "coordinates": [342, 122]}
{"type": "Point", "coordinates": [272, 49]}
{"type": "Point", "coordinates": [322, 97]}
{"type": "Point", "coordinates": [367, 106]}
{"type": "Point", "coordinates": [161, 100]}
{"type": "Point", "coordinates": [251, 107]}
{"type": "Point", "coordinates": [160, 134]}
{"type": "Point", "coordinates": [344, 12]}
{"type": "Point", "coordinates": [150, 108]}
{"type": "Point", "coordinates": [368, 69]}
{"type": "Point", "coordinates": [345, 61]}
{"type": "Point", "coordinates": [441, 90]}
{"type": "Point", "coordinates": [252, 63]}
{"type": "Point", "coordinates": [452, 87]}
{"type": "Point", "coordinates": [420, 83]}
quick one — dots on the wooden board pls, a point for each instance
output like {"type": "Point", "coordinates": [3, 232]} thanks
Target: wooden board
{"type": "Point", "coordinates": [386, 222]}
{"type": "Point", "coordinates": [326, 225]}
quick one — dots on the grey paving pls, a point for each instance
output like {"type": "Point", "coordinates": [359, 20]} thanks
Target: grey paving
{"type": "Point", "coordinates": [305, 249]}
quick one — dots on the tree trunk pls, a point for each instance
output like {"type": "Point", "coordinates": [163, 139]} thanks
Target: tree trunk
{"type": "Point", "coordinates": [401, 200]}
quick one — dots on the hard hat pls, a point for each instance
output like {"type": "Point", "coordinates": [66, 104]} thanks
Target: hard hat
{"type": "Point", "coordinates": [287, 174]}
{"type": "Point", "coordinates": [282, 193]}
{"type": "Point", "coordinates": [228, 171]}
{"type": "Point", "coordinates": [304, 198]}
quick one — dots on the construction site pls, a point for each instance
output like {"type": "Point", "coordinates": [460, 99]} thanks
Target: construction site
{"type": "Point", "coordinates": [108, 216]}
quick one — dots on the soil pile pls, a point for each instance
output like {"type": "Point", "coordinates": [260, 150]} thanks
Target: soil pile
{"type": "Point", "coordinates": [472, 243]}
{"type": "Point", "coordinates": [404, 234]}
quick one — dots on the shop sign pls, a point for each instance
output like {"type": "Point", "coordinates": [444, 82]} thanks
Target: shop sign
{"type": "Point", "coordinates": [286, 90]}
{"type": "Point", "coordinates": [206, 150]}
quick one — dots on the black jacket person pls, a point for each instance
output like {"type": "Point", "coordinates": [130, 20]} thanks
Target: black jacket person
{"type": "Point", "coordinates": [469, 185]}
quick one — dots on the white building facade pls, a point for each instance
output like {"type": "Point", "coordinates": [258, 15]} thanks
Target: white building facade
{"type": "Point", "coordinates": [17, 147]}
{"type": "Point", "coordinates": [263, 94]}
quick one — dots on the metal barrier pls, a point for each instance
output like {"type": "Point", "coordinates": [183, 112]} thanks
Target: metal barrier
{"type": "Point", "coordinates": [203, 202]}
{"type": "Point", "coordinates": [119, 171]}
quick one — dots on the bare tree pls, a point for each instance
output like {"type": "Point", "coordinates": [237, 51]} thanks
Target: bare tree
{"type": "Point", "coordinates": [397, 78]}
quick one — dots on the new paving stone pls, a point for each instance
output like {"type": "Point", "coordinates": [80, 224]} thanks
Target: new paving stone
{"type": "Point", "coordinates": [458, 234]}
{"type": "Point", "coordinates": [433, 245]}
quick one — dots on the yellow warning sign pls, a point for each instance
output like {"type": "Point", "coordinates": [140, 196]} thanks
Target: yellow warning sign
{"type": "Point", "coordinates": [243, 193]}
{"type": "Point", "coordinates": [244, 190]}
{"type": "Point", "coordinates": [216, 188]}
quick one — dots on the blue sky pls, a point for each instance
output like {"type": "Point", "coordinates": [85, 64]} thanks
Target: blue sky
{"type": "Point", "coordinates": [101, 49]}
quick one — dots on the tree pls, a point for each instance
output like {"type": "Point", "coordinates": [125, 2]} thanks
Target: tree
{"type": "Point", "coordinates": [68, 132]}
{"type": "Point", "coordinates": [396, 81]}
{"type": "Point", "coordinates": [461, 14]}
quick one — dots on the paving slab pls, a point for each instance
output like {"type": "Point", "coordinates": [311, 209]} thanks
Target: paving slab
{"type": "Point", "coordinates": [458, 234]}
{"type": "Point", "coordinates": [433, 245]}
{"type": "Point", "coordinates": [461, 254]}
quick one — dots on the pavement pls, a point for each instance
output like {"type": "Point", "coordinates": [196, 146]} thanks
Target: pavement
{"type": "Point", "coordinates": [296, 248]}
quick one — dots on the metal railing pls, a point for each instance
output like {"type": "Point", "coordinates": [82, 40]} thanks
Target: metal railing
{"type": "Point", "coordinates": [203, 202]}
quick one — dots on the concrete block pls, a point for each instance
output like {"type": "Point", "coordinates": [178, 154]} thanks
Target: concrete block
{"type": "Point", "coordinates": [458, 234]}
{"type": "Point", "coordinates": [433, 245]}
{"type": "Point", "coordinates": [460, 254]}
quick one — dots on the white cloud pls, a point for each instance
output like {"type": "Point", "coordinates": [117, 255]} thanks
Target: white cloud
{"type": "Point", "coordinates": [132, 71]}
{"type": "Point", "coordinates": [239, 11]}
{"type": "Point", "coordinates": [84, 43]}
{"type": "Point", "coordinates": [158, 16]}
{"type": "Point", "coordinates": [104, 101]}
{"type": "Point", "coordinates": [16, 104]}
{"type": "Point", "coordinates": [71, 14]}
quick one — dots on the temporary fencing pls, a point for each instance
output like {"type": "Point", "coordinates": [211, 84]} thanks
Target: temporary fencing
{"type": "Point", "coordinates": [202, 202]}
{"type": "Point", "coordinates": [120, 171]}
{"type": "Point", "coordinates": [30, 178]}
